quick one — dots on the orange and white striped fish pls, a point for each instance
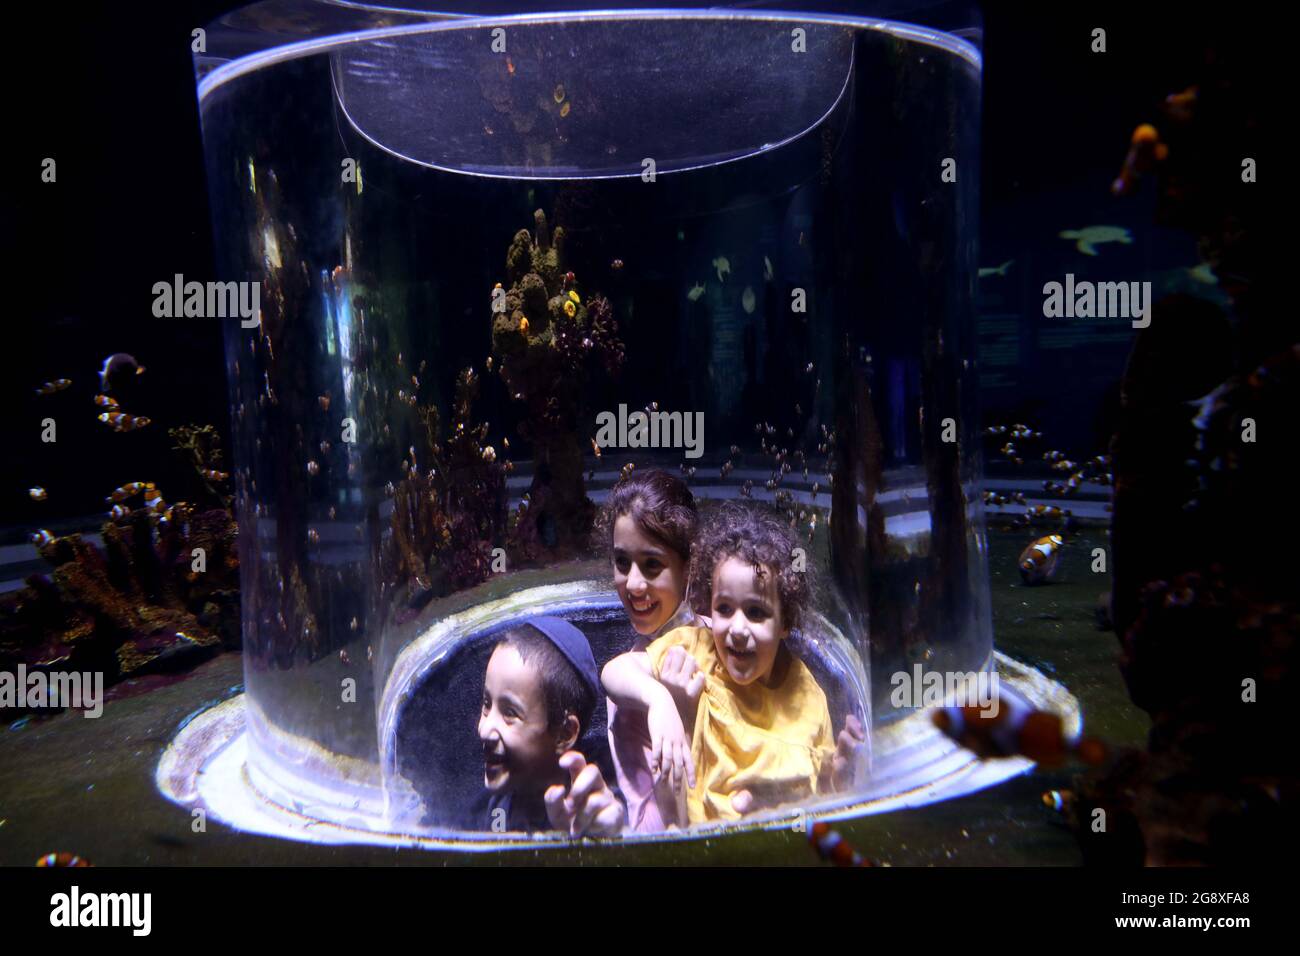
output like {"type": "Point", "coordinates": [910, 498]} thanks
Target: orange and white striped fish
{"type": "Point", "coordinates": [1013, 730]}
{"type": "Point", "coordinates": [124, 492]}
{"type": "Point", "coordinates": [62, 859]}
{"type": "Point", "coordinates": [122, 422]}
{"type": "Point", "coordinates": [153, 499]}
{"type": "Point", "coordinates": [833, 848]}
{"type": "Point", "coordinates": [1038, 561]}
{"type": "Point", "coordinates": [1039, 512]}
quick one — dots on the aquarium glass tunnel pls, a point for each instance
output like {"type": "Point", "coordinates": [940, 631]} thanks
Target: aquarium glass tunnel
{"type": "Point", "coordinates": [507, 258]}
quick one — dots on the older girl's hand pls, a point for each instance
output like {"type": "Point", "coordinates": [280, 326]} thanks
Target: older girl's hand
{"type": "Point", "coordinates": [670, 755]}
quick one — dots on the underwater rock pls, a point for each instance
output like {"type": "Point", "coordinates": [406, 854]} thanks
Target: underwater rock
{"type": "Point", "coordinates": [1208, 619]}
{"type": "Point", "coordinates": [135, 606]}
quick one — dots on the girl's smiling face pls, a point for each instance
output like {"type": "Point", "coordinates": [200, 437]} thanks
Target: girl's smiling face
{"type": "Point", "coordinates": [650, 578]}
{"type": "Point", "coordinates": [747, 628]}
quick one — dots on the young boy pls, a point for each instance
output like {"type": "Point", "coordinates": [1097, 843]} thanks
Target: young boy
{"type": "Point", "coordinates": [539, 692]}
{"type": "Point", "coordinates": [732, 713]}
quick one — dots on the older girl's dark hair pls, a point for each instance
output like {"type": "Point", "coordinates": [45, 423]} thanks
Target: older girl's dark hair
{"type": "Point", "coordinates": [759, 537]}
{"type": "Point", "coordinates": [660, 504]}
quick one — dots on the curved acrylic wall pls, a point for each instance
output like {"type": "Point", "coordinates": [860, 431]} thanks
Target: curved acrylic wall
{"type": "Point", "coordinates": [799, 271]}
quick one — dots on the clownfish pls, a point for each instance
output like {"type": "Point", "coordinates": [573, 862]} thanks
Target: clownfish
{"type": "Point", "coordinates": [118, 512]}
{"type": "Point", "coordinates": [37, 494]}
{"type": "Point", "coordinates": [41, 538]}
{"type": "Point", "coordinates": [58, 385]}
{"type": "Point", "coordinates": [213, 475]}
{"type": "Point", "coordinates": [122, 422]}
{"type": "Point", "coordinates": [107, 402]}
{"type": "Point", "coordinates": [1046, 511]}
{"type": "Point", "coordinates": [1038, 561]}
{"type": "Point", "coordinates": [1145, 150]}
{"type": "Point", "coordinates": [833, 848]}
{"type": "Point", "coordinates": [62, 859]}
{"type": "Point", "coordinates": [153, 499]}
{"type": "Point", "coordinates": [126, 491]}
{"type": "Point", "coordinates": [1016, 730]}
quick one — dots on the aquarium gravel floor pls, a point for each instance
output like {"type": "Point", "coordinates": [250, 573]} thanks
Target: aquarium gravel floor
{"type": "Point", "coordinates": [87, 786]}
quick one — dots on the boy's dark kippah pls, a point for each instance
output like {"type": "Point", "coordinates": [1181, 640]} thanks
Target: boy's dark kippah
{"type": "Point", "coordinates": [573, 644]}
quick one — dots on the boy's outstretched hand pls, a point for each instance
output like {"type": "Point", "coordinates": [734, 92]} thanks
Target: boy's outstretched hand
{"type": "Point", "coordinates": [850, 740]}
{"type": "Point", "coordinates": [587, 808]}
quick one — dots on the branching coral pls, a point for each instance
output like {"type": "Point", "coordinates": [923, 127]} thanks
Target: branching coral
{"type": "Point", "coordinates": [548, 342]}
{"type": "Point", "coordinates": [160, 594]}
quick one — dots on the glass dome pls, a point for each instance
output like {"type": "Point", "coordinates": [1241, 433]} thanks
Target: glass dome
{"type": "Point", "coordinates": [481, 237]}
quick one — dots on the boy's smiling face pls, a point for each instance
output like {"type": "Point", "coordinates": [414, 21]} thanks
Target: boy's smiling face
{"type": "Point", "coordinates": [747, 628]}
{"type": "Point", "coordinates": [519, 749]}
{"type": "Point", "coordinates": [649, 577]}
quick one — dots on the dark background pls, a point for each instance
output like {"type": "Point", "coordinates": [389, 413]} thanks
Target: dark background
{"type": "Point", "coordinates": [108, 90]}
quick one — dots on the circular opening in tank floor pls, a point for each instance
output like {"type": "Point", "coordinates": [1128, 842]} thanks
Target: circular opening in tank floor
{"type": "Point", "coordinates": [437, 730]}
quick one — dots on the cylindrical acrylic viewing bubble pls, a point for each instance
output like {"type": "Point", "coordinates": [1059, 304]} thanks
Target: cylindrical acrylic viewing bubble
{"type": "Point", "coordinates": [505, 262]}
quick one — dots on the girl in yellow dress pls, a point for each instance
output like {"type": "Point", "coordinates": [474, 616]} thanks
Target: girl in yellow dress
{"type": "Point", "coordinates": [737, 722]}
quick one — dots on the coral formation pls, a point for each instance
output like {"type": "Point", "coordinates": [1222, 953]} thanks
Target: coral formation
{"type": "Point", "coordinates": [447, 518]}
{"type": "Point", "coordinates": [548, 342]}
{"type": "Point", "coordinates": [138, 605]}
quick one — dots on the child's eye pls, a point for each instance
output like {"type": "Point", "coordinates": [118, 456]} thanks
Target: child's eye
{"type": "Point", "coordinates": [722, 610]}
{"type": "Point", "coordinates": [756, 614]}
{"type": "Point", "coordinates": [622, 564]}
{"type": "Point", "coordinates": [652, 568]}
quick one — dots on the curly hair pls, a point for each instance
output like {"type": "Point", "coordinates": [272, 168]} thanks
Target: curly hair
{"type": "Point", "coordinates": [660, 505]}
{"type": "Point", "coordinates": [759, 537]}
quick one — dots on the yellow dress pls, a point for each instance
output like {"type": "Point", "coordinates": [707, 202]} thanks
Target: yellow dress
{"type": "Point", "coordinates": [775, 742]}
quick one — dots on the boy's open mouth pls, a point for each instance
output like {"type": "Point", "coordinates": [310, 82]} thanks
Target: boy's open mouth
{"type": "Point", "coordinates": [494, 764]}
